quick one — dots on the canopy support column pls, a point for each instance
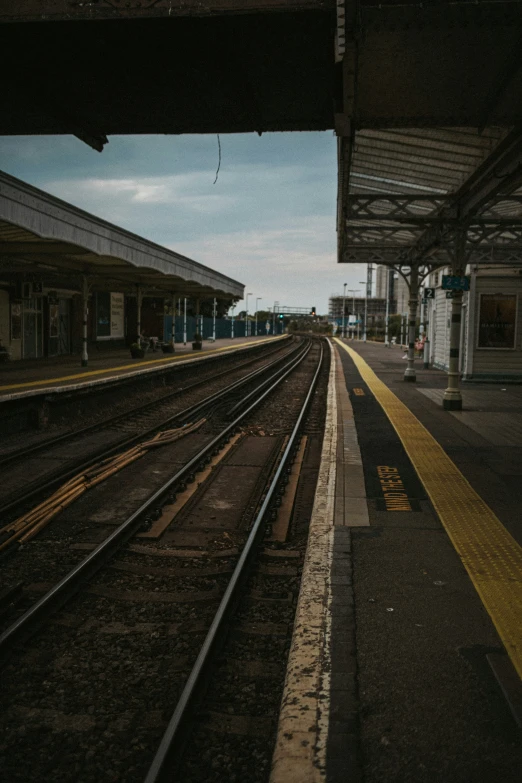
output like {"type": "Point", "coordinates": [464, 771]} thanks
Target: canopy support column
{"type": "Point", "coordinates": [452, 400]}
{"type": "Point", "coordinates": [139, 298]}
{"type": "Point", "coordinates": [199, 319]}
{"type": "Point", "coordinates": [410, 373]}
{"type": "Point", "coordinates": [173, 326]}
{"type": "Point", "coordinates": [85, 310]}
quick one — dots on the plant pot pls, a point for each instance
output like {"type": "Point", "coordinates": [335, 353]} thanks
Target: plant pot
{"type": "Point", "coordinates": [137, 353]}
{"type": "Point", "coordinates": [197, 346]}
{"type": "Point", "coordinates": [167, 348]}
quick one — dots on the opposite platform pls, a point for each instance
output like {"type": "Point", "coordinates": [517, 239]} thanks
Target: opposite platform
{"type": "Point", "coordinates": [39, 377]}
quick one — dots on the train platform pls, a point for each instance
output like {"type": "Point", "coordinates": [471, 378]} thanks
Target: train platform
{"type": "Point", "coordinates": [406, 657]}
{"type": "Point", "coordinates": [34, 377]}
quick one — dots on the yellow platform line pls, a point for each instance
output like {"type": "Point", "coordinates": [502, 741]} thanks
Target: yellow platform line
{"type": "Point", "coordinates": [132, 366]}
{"type": "Point", "coordinates": [491, 556]}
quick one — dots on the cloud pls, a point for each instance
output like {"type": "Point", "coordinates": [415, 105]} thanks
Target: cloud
{"type": "Point", "coordinates": [181, 191]}
{"type": "Point", "coordinates": [269, 221]}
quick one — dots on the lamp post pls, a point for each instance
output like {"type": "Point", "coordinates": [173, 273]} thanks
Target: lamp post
{"type": "Point", "coordinates": [232, 323]}
{"type": "Point", "coordinates": [246, 314]}
{"type": "Point", "coordinates": [387, 316]}
{"type": "Point", "coordinates": [344, 309]}
{"type": "Point", "coordinates": [353, 291]}
{"type": "Point", "coordinates": [258, 299]}
{"type": "Point", "coordinates": [368, 284]}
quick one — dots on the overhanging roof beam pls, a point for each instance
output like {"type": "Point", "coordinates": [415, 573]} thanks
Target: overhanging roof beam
{"type": "Point", "coordinates": [407, 176]}
{"type": "Point", "coordinates": [41, 248]}
{"type": "Point", "coordinates": [376, 158]}
{"type": "Point", "coordinates": [391, 206]}
{"type": "Point", "coordinates": [414, 145]}
{"type": "Point", "coordinates": [413, 153]}
{"type": "Point", "coordinates": [503, 79]}
{"type": "Point", "coordinates": [453, 135]}
{"type": "Point", "coordinates": [500, 173]}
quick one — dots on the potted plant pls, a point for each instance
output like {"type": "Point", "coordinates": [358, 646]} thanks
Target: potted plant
{"type": "Point", "coordinates": [168, 347]}
{"type": "Point", "coordinates": [137, 352]}
{"type": "Point", "coordinates": [197, 342]}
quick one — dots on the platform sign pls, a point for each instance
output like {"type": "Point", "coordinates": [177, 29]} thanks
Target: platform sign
{"type": "Point", "coordinates": [117, 315]}
{"type": "Point", "coordinates": [429, 293]}
{"type": "Point", "coordinates": [455, 282]}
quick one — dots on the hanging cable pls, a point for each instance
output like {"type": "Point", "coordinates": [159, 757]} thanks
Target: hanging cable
{"type": "Point", "coordinates": [219, 160]}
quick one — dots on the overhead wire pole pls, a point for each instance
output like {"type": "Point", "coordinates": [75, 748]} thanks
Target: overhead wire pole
{"type": "Point", "coordinates": [258, 299]}
{"type": "Point", "coordinates": [369, 272]}
{"type": "Point", "coordinates": [246, 313]}
{"type": "Point", "coordinates": [387, 316]}
{"type": "Point", "coordinates": [353, 291]}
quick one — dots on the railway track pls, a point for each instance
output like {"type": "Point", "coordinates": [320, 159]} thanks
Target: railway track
{"type": "Point", "coordinates": [9, 456]}
{"type": "Point", "coordinates": [197, 563]}
{"type": "Point", "coordinates": [76, 451]}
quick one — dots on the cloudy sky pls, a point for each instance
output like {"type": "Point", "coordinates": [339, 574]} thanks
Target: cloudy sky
{"type": "Point", "coordinates": [269, 221]}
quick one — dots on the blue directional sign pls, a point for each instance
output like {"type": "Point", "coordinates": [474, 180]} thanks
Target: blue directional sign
{"type": "Point", "coordinates": [455, 282]}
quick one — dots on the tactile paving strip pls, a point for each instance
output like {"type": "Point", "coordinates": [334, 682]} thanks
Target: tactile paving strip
{"type": "Point", "coordinates": [491, 556]}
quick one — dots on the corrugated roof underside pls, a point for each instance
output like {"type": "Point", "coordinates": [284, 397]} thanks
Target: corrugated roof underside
{"type": "Point", "coordinates": [410, 161]}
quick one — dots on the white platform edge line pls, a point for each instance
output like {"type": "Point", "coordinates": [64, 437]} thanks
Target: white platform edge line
{"type": "Point", "coordinates": [301, 742]}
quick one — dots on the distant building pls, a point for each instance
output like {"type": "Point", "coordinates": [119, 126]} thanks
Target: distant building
{"type": "Point", "coordinates": [376, 309]}
{"type": "Point", "coordinates": [398, 290]}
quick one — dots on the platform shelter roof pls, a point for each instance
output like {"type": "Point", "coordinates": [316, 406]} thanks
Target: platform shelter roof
{"type": "Point", "coordinates": [410, 195]}
{"type": "Point", "coordinates": [42, 236]}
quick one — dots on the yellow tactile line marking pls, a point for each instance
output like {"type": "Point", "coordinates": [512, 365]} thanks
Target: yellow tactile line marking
{"type": "Point", "coordinates": [491, 556]}
{"type": "Point", "coordinates": [133, 366]}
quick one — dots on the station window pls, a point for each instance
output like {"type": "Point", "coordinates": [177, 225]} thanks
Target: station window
{"type": "Point", "coordinates": [103, 314]}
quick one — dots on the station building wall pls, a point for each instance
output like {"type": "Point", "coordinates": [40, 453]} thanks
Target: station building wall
{"type": "Point", "coordinates": [494, 326]}
{"type": "Point", "coordinates": [491, 333]}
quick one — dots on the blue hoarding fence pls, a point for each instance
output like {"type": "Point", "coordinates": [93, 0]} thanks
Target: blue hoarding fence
{"type": "Point", "coordinates": [206, 326]}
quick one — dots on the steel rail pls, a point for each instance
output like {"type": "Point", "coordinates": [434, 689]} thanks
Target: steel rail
{"type": "Point", "coordinates": [60, 593]}
{"type": "Point", "coordinates": [70, 435]}
{"type": "Point", "coordinates": [173, 737]}
{"type": "Point", "coordinates": [48, 484]}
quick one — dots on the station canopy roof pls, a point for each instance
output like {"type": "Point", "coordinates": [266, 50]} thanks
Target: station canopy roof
{"type": "Point", "coordinates": [44, 238]}
{"type": "Point", "coordinates": [411, 195]}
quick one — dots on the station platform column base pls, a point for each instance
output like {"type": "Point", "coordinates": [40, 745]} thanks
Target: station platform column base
{"type": "Point", "coordinates": [452, 401]}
